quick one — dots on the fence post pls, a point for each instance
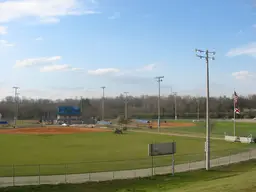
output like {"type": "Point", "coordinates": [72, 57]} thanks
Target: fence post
{"type": "Point", "coordinates": [152, 161]}
{"type": "Point", "coordinates": [66, 167]}
{"type": "Point", "coordinates": [89, 176]}
{"type": "Point", "coordinates": [39, 174]}
{"type": "Point", "coordinates": [113, 175]}
{"type": "Point", "coordinates": [13, 175]}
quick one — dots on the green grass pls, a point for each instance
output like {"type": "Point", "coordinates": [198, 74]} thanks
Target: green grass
{"type": "Point", "coordinates": [94, 152]}
{"type": "Point", "coordinates": [218, 129]}
{"type": "Point", "coordinates": [234, 178]}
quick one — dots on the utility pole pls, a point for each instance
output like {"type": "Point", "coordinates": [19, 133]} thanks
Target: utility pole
{"type": "Point", "coordinates": [103, 95]}
{"type": "Point", "coordinates": [159, 79]}
{"type": "Point", "coordinates": [126, 106]}
{"type": "Point", "coordinates": [207, 143]}
{"type": "Point", "coordinates": [16, 105]}
{"type": "Point", "coordinates": [175, 105]}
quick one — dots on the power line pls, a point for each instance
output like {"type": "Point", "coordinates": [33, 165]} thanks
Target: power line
{"type": "Point", "coordinates": [204, 54]}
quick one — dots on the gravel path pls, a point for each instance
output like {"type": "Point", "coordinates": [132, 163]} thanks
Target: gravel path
{"type": "Point", "coordinates": [103, 176]}
{"type": "Point", "coordinates": [177, 134]}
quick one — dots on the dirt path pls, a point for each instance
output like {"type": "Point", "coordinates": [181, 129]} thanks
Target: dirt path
{"type": "Point", "coordinates": [176, 134]}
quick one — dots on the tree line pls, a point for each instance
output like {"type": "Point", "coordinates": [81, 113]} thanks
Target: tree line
{"type": "Point", "coordinates": [138, 107]}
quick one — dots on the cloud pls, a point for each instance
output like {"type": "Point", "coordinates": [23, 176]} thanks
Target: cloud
{"type": "Point", "coordinates": [49, 20]}
{"type": "Point", "coordinates": [149, 67]}
{"type": "Point", "coordinates": [249, 49]}
{"type": "Point", "coordinates": [118, 72]}
{"type": "Point", "coordinates": [4, 43]}
{"type": "Point", "coordinates": [47, 64]}
{"type": "Point", "coordinates": [103, 71]}
{"type": "Point", "coordinates": [243, 75]}
{"type": "Point", "coordinates": [132, 79]}
{"type": "Point", "coordinates": [76, 69]}
{"type": "Point", "coordinates": [39, 39]}
{"type": "Point", "coordinates": [52, 68]}
{"type": "Point", "coordinates": [240, 32]}
{"type": "Point", "coordinates": [43, 9]}
{"type": "Point", "coordinates": [115, 16]}
{"type": "Point", "coordinates": [35, 61]}
{"type": "Point", "coordinates": [94, 2]}
{"type": "Point", "coordinates": [63, 67]}
{"type": "Point", "coordinates": [3, 30]}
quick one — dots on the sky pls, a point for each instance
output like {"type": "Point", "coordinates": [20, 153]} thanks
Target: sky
{"type": "Point", "coordinates": [71, 48]}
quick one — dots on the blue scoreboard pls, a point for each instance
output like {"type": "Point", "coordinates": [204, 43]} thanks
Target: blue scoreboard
{"type": "Point", "coordinates": [69, 111]}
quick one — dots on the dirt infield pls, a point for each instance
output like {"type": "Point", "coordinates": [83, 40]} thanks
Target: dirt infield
{"type": "Point", "coordinates": [51, 130]}
{"type": "Point", "coordinates": [172, 124]}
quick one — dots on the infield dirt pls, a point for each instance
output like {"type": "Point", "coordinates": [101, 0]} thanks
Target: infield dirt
{"type": "Point", "coordinates": [51, 130]}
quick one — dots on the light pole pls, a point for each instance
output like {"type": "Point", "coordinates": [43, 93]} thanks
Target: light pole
{"type": "Point", "coordinates": [126, 106]}
{"type": "Point", "coordinates": [198, 109]}
{"type": "Point", "coordinates": [175, 105]}
{"type": "Point", "coordinates": [103, 95]}
{"type": "Point", "coordinates": [16, 105]}
{"type": "Point", "coordinates": [82, 106]}
{"type": "Point", "coordinates": [159, 79]}
{"type": "Point", "coordinates": [207, 143]}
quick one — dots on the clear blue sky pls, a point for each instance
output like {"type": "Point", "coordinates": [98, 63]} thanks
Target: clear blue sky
{"type": "Point", "coordinates": [53, 48]}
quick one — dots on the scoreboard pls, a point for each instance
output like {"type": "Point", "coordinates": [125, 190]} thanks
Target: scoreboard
{"type": "Point", "coordinates": [69, 110]}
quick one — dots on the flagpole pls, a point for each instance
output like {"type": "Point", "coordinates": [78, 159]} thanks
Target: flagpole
{"type": "Point", "coordinates": [234, 100]}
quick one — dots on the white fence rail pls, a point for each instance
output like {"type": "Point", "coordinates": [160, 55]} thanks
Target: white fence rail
{"type": "Point", "coordinates": [104, 176]}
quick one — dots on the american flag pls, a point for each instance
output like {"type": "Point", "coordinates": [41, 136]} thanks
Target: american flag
{"type": "Point", "coordinates": [235, 98]}
{"type": "Point", "coordinates": [237, 111]}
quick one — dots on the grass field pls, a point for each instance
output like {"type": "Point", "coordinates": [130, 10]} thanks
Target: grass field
{"type": "Point", "coordinates": [218, 129]}
{"type": "Point", "coordinates": [93, 152]}
{"type": "Point", "coordinates": [234, 178]}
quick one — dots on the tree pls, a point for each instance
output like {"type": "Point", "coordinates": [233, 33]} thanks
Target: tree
{"type": "Point", "coordinates": [144, 107]}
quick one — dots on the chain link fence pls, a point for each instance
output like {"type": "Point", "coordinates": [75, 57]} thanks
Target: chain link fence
{"type": "Point", "coordinates": [18, 175]}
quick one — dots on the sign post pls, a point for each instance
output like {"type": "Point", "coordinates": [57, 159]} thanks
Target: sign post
{"type": "Point", "coordinates": [173, 164]}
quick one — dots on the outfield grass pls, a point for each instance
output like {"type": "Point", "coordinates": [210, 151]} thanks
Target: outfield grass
{"type": "Point", "coordinates": [234, 178]}
{"type": "Point", "coordinates": [218, 129]}
{"type": "Point", "coordinates": [94, 152]}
